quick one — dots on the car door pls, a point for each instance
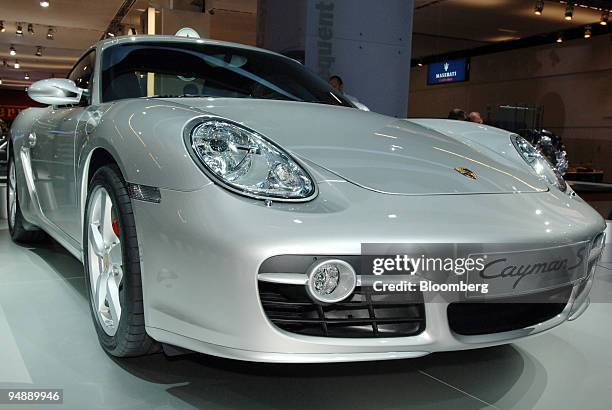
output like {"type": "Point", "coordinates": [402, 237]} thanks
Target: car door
{"type": "Point", "coordinates": [53, 154]}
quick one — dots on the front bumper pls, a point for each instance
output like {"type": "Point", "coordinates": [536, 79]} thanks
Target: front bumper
{"type": "Point", "coordinates": [201, 252]}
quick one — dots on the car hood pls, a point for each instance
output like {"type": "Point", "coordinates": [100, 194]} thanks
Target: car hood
{"type": "Point", "coordinates": [374, 151]}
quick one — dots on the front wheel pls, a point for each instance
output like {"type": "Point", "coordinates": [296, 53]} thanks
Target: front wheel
{"type": "Point", "coordinates": [112, 267]}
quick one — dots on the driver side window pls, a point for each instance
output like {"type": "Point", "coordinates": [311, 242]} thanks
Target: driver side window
{"type": "Point", "coordinates": [82, 75]}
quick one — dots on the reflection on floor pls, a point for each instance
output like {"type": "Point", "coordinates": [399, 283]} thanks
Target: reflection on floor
{"type": "Point", "coordinates": [47, 340]}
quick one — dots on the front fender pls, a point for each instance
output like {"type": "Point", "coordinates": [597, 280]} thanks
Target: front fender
{"type": "Point", "coordinates": [145, 138]}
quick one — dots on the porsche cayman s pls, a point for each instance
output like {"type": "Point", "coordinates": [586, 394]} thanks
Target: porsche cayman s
{"type": "Point", "coordinates": [221, 197]}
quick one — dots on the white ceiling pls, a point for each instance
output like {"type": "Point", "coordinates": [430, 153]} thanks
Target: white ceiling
{"type": "Point", "coordinates": [77, 24]}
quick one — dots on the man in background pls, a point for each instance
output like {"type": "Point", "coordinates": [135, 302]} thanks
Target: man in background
{"type": "Point", "coordinates": [476, 117]}
{"type": "Point", "coordinates": [336, 82]}
{"type": "Point", "coordinates": [457, 114]}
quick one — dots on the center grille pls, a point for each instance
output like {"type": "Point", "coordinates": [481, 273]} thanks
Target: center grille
{"type": "Point", "coordinates": [365, 314]}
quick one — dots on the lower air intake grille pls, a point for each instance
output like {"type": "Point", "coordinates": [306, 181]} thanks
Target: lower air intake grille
{"type": "Point", "coordinates": [364, 314]}
{"type": "Point", "coordinates": [479, 318]}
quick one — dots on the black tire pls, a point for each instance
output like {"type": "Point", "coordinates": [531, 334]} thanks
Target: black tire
{"type": "Point", "coordinates": [17, 225]}
{"type": "Point", "coordinates": [131, 338]}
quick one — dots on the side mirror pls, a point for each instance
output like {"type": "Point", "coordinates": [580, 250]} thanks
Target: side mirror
{"type": "Point", "coordinates": [55, 91]}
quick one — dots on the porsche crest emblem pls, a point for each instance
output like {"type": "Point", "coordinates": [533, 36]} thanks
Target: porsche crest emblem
{"type": "Point", "coordinates": [466, 172]}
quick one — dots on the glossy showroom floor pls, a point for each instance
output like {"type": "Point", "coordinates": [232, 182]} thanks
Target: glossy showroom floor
{"type": "Point", "coordinates": [47, 340]}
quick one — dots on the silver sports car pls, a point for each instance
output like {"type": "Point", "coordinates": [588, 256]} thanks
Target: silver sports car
{"type": "Point", "coordinates": [225, 200]}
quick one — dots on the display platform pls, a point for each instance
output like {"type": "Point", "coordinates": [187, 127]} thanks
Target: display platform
{"type": "Point", "coordinates": [46, 334]}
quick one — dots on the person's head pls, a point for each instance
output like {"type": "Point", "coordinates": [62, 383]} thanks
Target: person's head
{"type": "Point", "coordinates": [457, 114]}
{"type": "Point", "coordinates": [476, 117]}
{"type": "Point", "coordinates": [336, 82]}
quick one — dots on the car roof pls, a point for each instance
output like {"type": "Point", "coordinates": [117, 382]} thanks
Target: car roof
{"type": "Point", "coordinates": [111, 41]}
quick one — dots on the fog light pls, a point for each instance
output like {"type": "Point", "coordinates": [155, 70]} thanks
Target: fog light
{"type": "Point", "coordinates": [331, 281]}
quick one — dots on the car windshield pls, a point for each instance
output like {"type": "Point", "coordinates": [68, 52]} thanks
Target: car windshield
{"type": "Point", "coordinates": [173, 69]}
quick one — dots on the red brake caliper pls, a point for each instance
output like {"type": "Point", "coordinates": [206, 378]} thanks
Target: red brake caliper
{"type": "Point", "coordinates": [115, 225]}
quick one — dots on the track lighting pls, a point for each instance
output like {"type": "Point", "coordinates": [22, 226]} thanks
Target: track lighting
{"type": "Point", "coordinates": [539, 7]}
{"type": "Point", "coordinates": [605, 16]}
{"type": "Point", "coordinates": [26, 76]}
{"type": "Point", "coordinates": [0, 81]}
{"type": "Point", "coordinates": [588, 31]}
{"type": "Point", "coordinates": [26, 89]}
{"type": "Point", "coordinates": [569, 11]}
{"type": "Point", "coordinates": [2, 29]}
{"type": "Point", "coordinates": [12, 50]}
{"type": "Point", "coordinates": [17, 65]}
{"type": "Point", "coordinates": [19, 31]}
{"type": "Point", "coordinates": [44, 3]}
{"type": "Point", "coordinates": [50, 33]}
{"type": "Point", "coordinates": [560, 38]}
{"type": "Point", "coordinates": [31, 29]}
{"type": "Point", "coordinates": [38, 51]}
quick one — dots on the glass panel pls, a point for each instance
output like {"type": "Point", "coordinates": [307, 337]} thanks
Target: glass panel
{"type": "Point", "coordinates": [197, 70]}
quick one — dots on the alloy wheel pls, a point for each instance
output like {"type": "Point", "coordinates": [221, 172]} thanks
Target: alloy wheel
{"type": "Point", "coordinates": [105, 260]}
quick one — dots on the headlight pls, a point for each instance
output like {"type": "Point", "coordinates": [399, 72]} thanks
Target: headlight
{"type": "Point", "coordinates": [538, 163]}
{"type": "Point", "coordinates": [246, 162]}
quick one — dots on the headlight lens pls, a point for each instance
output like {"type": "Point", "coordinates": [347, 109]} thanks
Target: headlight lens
{"type": "Point", "coordinates": [538, 163]}
{"type": "Point", "coordinates": [245, 161]}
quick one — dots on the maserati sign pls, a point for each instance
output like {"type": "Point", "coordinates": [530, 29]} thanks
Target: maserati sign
{"type": "Point", "coordinates": [449, 71]}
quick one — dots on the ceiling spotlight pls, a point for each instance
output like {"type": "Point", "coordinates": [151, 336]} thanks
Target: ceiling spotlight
{"type": "Point", "coordinates": [605, 17]}
{"type": "Point", "coordinates": [50, 33]}
{"type": "Point", "coordinates": [569, 11]}
{"type": "Point", "coordinates": [588, 31]}
{"type": "Point", "coordinates": [17, 65]}
{"type": "Point", "coordinates": [26, 76]}
{"type": "Point", "coordinates": [26, 89]}
{"type": "Point", "coordinates": [560, 38]}
{"type": "Point", "coordinates": [0, 81]}
{"type": "Point", "coordinates": [2, 29]}
{"type": "Point", "coordinates": [38, 51]}
{"type": "Point", "coordinates": [19, 31]}
{"type": "Point", "coordinates": [44, 3]}
{"type": "Point", "coordinates": [31, 29]}
{"type": "Point", "coordinates": [539, 7]}
{"type": "Point", "coordinates": [12, 50]}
